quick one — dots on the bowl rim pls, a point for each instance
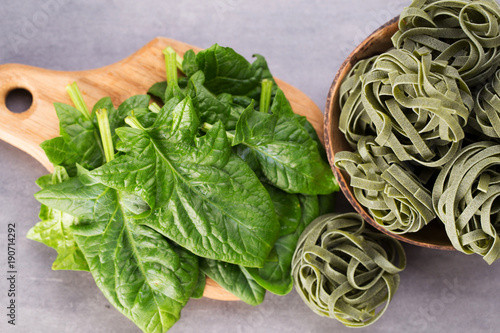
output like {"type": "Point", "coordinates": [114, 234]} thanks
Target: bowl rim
{"type": "Point", "coordinates": [417, 238]}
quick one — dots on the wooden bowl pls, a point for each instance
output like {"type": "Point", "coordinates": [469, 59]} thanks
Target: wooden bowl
{"type": "Point", "coordinates": [432, 235]}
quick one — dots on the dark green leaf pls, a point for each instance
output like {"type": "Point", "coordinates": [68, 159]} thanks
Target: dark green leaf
{"type": "Point", "coordinates": [260, 66]}
{"type": "Point", "coordinates": [234, 279]}
{"type": "Point", "coordinates": [80, 135]}
{"type": "Point", "coordinates": [287, 207]}
{"type": "Point", "coordinates": [202, 196]}
{"type": "Point", "coordinates": [227, 72]}
{"type": "Point", "coordinates": [59, 153]}
{"type": "Point", "coordinates": [212, 108]}
{"type": "Point", "coordinates": [287, 154]}
{"type": "Point", "coordinates": [158, 90]}
{"type": "Point", "coordinates": [55, 230]}
{"type": "Point", "coordinates": [189, 65]}
{"type": "Point", "coordinates": [276, 275]}
{"type": "Point", "coordinates": [137, 102]}
{"type": "Point", "coordinates": [145, 277]}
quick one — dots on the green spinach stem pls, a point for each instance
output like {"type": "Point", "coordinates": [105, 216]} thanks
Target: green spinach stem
{"type": "Point", "coordinates": [155, 108]}
{"type": "Point", "coordinates": [77, 99]}
{"type": "Point", "coordinates": [178, 61]}
{"type": "Point", "coordinates": [265, 95]}
{"type": "Point", "coordinates": [105, 130]}
{"type": "Point", "coordinates": [206, 127]}
{"type": "Point", "coordinates": [171, 65]}
{"type": "Point", "coordinates": [133, 122]}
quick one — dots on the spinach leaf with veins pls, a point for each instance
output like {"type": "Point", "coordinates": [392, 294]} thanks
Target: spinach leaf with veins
{"type": "Point", "coordinates": [234, 279]}
{"type": "Point", "coordinates": [227, 71]}
{"type": "Point", "coordinates": [276, 274]}
{"type": "Point", "coordinates": [202, 196]}
{"type": "Point", "coordinates": [142, 274]}
{"type": "Point", "coordinates": [213, 108]}
{"type": "Point", "coordinates": [79, 142]}
{"type": "Point", "coordinates": [287, 155]}
{"type": "Point", "coordinates": [55, 229]}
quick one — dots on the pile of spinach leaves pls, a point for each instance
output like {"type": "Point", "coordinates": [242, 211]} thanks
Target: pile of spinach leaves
{"type": "Point", "coordinates": [217, 177]}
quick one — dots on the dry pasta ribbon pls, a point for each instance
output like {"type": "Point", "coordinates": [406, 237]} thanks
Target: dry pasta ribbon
{"type": "Point", "coordinates": [466, 199]}
{"type": "Point", "coordinates": [354, 122]}
{"type": "Point", "coordinates": [463, 33]}
{"type": "Point", "coordinates": [486, 115]}
{"type": "Point", "coordinates": [418, 106]}
{"type": "Point", "coordinates": [342, 270]}
{"type": "Point", "coordinates": [395, 198]}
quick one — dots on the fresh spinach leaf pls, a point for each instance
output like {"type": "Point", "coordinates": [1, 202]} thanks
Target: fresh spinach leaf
{"type": "Point", "coordinates": [227, 71]}
{"type": "Point", "coordinates": [276, 274]}
{"type": "Point", "coordinates": [61, 154]}
{"type": "Point", "coordinates": [158, 90]}
{"type": "Point", "coordinates": [287, 208]}
{"type": "Point", "coordinates": [234, 279]}
{"type": "Point", "coordinates": [80, 136]}
{"type": "Point", "coordinates": [212, 108]}
{"type": "Point", "coordinates": [189, 64]}
{"type": "Point", "coordinates": [260, 66]}
{"type": "Point", "coordinates": [79, 141]}
{"type": "Point", "coordinates": [202, 196]}
{"type": "Point", "coordinates": [287, 154]}
{"type": "Point", "coordinates": [137, 102]}
{"type": "Point", "coordinates": [55, 230]}
{"type": "Point", "coordinates": [142, 274]}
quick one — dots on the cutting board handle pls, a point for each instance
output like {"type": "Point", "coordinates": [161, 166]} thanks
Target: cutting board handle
{"type": "Point", "coordinates": [28, 129]}
{"type": "Point", "coordinates": [131, 76]}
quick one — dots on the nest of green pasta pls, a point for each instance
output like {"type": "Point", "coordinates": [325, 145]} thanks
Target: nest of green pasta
{"type": "Point", "coordinates": [423, 120]}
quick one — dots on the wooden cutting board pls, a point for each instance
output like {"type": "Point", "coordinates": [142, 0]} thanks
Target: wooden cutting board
{"type": "Point", "coordinates": [131, 76]}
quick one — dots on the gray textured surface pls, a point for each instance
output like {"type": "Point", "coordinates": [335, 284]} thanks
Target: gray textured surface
{"type": "Point", "coordinates": [304, 43]}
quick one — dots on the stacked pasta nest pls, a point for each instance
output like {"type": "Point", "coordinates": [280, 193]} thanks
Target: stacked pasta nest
{"type": "Point", "coordinates": [423, 119]}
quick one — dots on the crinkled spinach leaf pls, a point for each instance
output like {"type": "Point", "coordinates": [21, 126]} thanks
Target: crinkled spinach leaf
{"type": "Point", "coordinates": [202, 196]}
{"type": "Point", "coordinates": [227, 71]}
{"type": "Point", "coordinates": [234, 279]}
{"type": "Point", "coordinates": [288, 156]}
{"type": "Point", "coordinates": [81, 139]}
{"type": "Point", "coordinates": [55, 230]}
{"type": "Point", "coordinates": [142, 274]}
{"type": "Point", "coordinates": [276, 274]}
{"type": "Point", "coordinates": [213, 108]}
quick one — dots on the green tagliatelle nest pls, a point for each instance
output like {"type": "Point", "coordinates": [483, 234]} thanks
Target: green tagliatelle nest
{"type": "Point", "coordinates": [417, 105]}
{"type": "Point", "coordinates": [392, 194]}
{"type": "Point", "coordinates": [417, 110]}
{"type": "Point", "coordinates": [344, 271]}
{"type": "Point", "coordinates": [465, 34]}
{"type": "Point", "coordinates": [465, 197]}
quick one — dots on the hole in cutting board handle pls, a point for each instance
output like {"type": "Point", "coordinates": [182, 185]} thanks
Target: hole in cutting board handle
{"type": "Point", "coordinates": [19, 100]}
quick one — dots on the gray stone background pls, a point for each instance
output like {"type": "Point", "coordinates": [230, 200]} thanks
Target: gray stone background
{"type": "Point", "coordinates": [304, 43]}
